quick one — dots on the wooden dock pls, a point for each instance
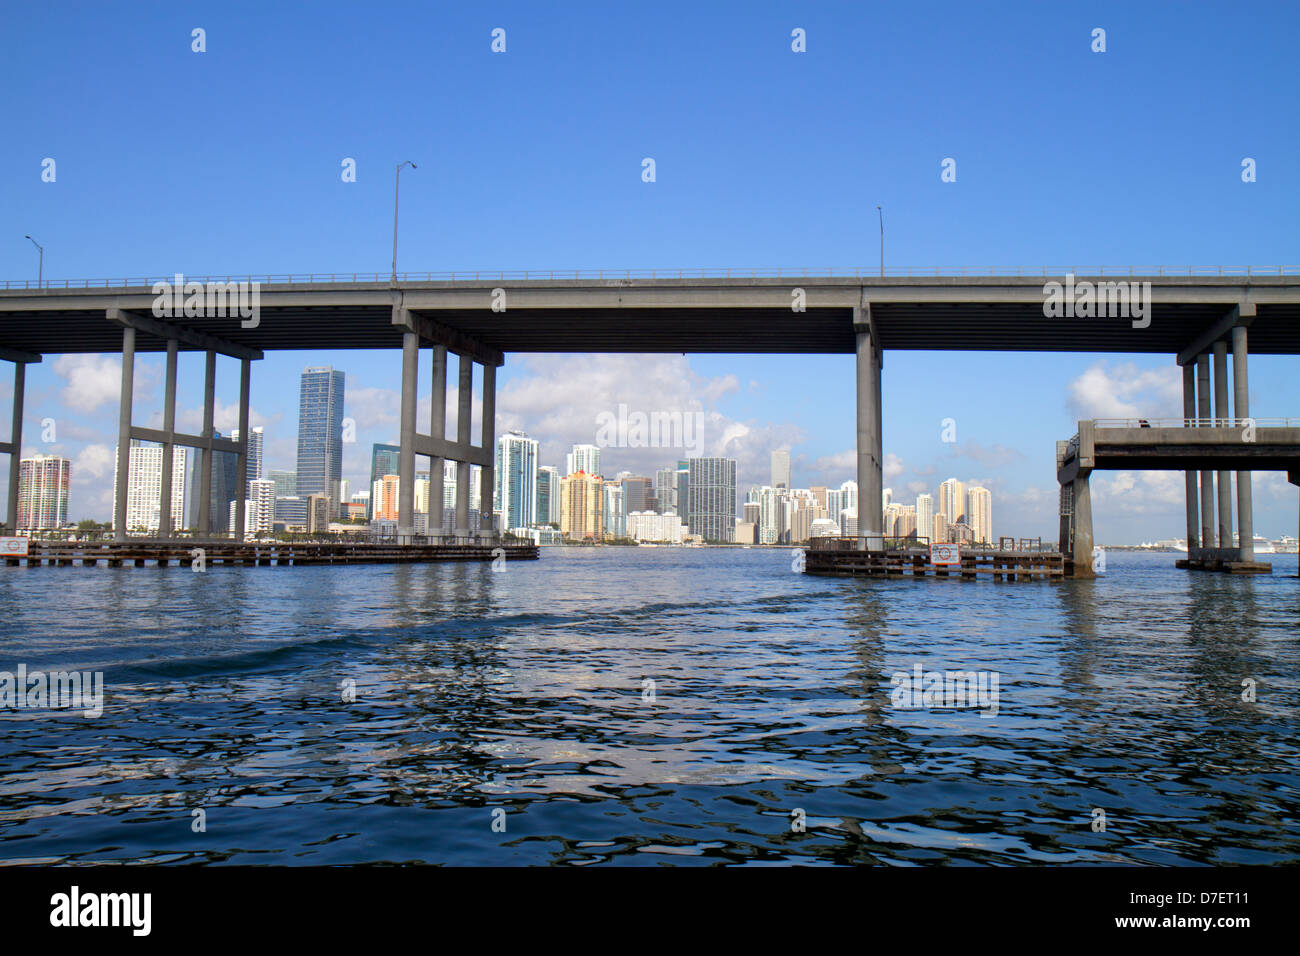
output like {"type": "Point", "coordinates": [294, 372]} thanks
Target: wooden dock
{"type": "Point", "coordinates": [185, 553]}
{"type": "Point", "coordinates": [845, 557]}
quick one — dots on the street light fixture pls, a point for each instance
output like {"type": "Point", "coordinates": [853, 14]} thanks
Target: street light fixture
{"type": "Point", "coordinates": [40, 273]}
{"type": "Point", "coordinates": [396, 187]}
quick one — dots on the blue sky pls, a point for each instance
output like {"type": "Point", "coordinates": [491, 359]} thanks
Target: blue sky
{"type": "Point", "coordinates": [228, 161]}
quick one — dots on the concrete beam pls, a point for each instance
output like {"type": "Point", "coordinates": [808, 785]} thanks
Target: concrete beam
{"type": "Point", "coordinates": [863, 320]}
{"type": "Point", "coordinates": [124, 433]}
{"type": "Point", "coordinates": [168, 330]}
{"type": "Point", "coordinates": [1242, 314]}
{"type": "Point", "coordinates": [168, 446]}
{"type": "Point", "coordinates": [453, 339]}
{"type": "Point", "coordinates": [1190, 487]}
{"type": "Point", "coordinates": [23, 358]}
{"type": "Point", "coordinates": [1209, 530]}
{"type": "Point", "coordinates": [159, 435]}
{"type": "Point", "coordinates": [1222, 413]}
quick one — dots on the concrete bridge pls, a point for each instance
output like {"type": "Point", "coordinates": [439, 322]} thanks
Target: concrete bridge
{"type": "Point", "coordinates": [480, 317]}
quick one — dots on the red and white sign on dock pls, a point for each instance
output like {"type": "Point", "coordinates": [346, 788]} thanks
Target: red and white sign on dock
{"type": "Point", "coordinates": [942, 554]}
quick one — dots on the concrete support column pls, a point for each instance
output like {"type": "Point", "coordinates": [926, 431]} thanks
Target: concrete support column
{"type": "Point", "coordinates": [1082, 552]}
{"type": "Point", "coordinates": [16, 438]}
{"type": "Point", "coordinates": [1222, 413]}
{"type": "Point", "coordinates": [165, 518]}
{"type": "Point", "coordinates": [1241, 409]}
{"type": "Point", "coordinates": [487, 474]}
{"type": "Point", "coordinates": [406, 441]}
{"type": "Point", "coordinates": [870, 475]}
{"type": "Point", "coordinates": [205, 473]}
{"type": "Point", "coordinates": [1193, 493]}
{"type": "Point", "coordinates": [1209, 537]}
{"type": "Point", "coordinates": [464, 397]}
{"type": "Point", "coordinates": [241, 465]}
{"type": "Point", "coordinates": [124, 434]}
{"type": "Point", "coordinates": [437, 429]}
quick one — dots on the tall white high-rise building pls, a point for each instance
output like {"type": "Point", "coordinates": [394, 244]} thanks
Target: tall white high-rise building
{"type": "Point", "coordinates": [979, 513]}
{"type": "Point", "coordinates": [261, 504]}
{"type": "Point", "coordinates": [952, 500]}
{"type": "Point", "coordinates": [849, 495]}
{"type": "Point", "coordinates": [886, 497]}
{"type": "Point", "coordinates": [582, 458]}
{"type": "Point", "coordinates": [924, 516]}
{"type": "Point", "coordinates": [781, 468]}
{"type": "Point", "coordinates": [516, 480]}
{"type": "Point", "coordinates": [143, 503]}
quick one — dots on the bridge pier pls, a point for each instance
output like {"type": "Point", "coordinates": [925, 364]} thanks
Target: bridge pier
{"type": "Point", "coordinates": [435, 446]}
{"type": "Point", "coordinates": [1222, 415]}
{"type": "Point", "coordinates": [204, 444]}
{"type": "Point", "coordinates": [870, 444]}
{"type": "Point", "coordinates": [1190, 478]}
{"type": "Point", "coordinates": [1241, 407]}
{"type": "Point", "coordinates": [1209, 529]}
{"type": "Point", "coordinates": [14, 446]}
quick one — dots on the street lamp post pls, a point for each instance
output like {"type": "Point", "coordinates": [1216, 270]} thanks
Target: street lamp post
{"type": "Point", "coordinates": [396, 187]}
{"type": "Point", "coordinates": [40, 272]}
{"type": "Point", "coordinates": [882, 241]}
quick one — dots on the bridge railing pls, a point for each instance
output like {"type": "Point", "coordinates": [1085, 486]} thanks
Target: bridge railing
{"type": "Point", "coordinates": [497, 275]}
{"type": "Point", "coordinates": [1208, 422]}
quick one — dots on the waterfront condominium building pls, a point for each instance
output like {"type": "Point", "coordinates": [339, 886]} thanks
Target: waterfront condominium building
{"type": "Point", "coordinates": [516, 480]}
{"type": "Point", "coordinates": [383, 498]}
{"type": "Point", "coordinates": [781, 468]}
{"type": "Point", "coordinates": [548, 495]}
{"type": "Point", "coordinates": [384, 460]}
{"type": "Point", "coordinates": [320, 432]}
{"type": "Point", "coordinates": [711, 512]}
{"type": "Point", "coordinates": [256, 438]}
{"type": "Point", "coordinates": [43, 492]}
{"type": "Point", "coordinates": [615, 509]}
{"type": "Point", "coordinates": [261, 504]}
{"type": "Point", "coordinates": [143, 504]}
{"type": "Point", "coordinates": [581, 507]}
{"type": "Point", "coordinates": [666, 490]}
{"type": "Point", "coordinates": [584, 458]}
{"type": "Point", "coordinates": [952, 500]}
{"type": "Point", "coordinates": [979, 504]}
{"type": "Point", "coordinates": [924, 516]}
{"type": "Point", "coordinates": [849, 495]}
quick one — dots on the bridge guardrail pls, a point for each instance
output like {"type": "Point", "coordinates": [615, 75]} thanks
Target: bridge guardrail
{"type": "Point", "coordinates": [1209, 422]}
{"type": "Point", "coordinates": [483, 275]}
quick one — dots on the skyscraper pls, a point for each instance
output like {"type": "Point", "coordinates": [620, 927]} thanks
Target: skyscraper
{"type": "Point", "coordinates": [584, 458]}
{"type": "Point", "coordinates": [924, 516]}
{"type": "Point", "coordinates": [638, 493]}
{"type": "Point", "coordinates": [781, 468]}
{"type": "Point", "coordinates": [666, 490]}
{"type": "Point", "coordinates": [711, 513]}
{"type": "Point", "coordinates": [143, 505]}
{"type": "Point", "coordinates": [548, 495]}
{"type": "Point", "coordinates": [384, 460]}
{"type": "Point", "coordinates": [516, 480]}
{"type": "Point", "coordinates": [979, 505]}
{"type": "Point", "coordinates": [952, 500]}
{"type": "Point", "coordinates": [43, 492]}
{"type": "Point", "coordinates": [581, 507]}
{"type": "Point", "coordinates": [255, 444]}
{"type": "Point", "coordinates": [320, 432]}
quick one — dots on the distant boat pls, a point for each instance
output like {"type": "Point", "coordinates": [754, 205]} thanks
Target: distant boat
{"type": "Point", "coordinates": [1263, 545]}
{"type": "Point", "coordinates": [1285, 545]}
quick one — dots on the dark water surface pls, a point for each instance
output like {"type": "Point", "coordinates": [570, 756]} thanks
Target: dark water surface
{"type": "Point", "coordinates": [524, 691]}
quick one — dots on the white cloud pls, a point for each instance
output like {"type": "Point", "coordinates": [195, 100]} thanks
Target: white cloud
{"type": "Point", "coordinates": [1126, 392]}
